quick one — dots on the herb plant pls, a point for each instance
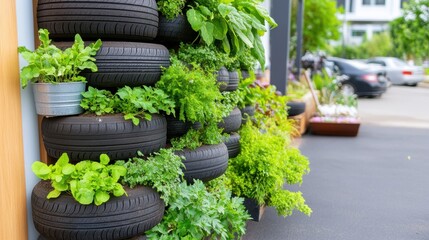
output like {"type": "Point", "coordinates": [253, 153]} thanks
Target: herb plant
{"type": "Point", "coordinates": [162, 171]}
{"type": "Point", "coordinates": [49, 64]}
{"type": "Point", "coordinates": [209, 134]}
{"type": "Point", "coordinates": [209, 58]}
{"type": "Point", "coordinates": [194, 92]}
{"type": "Point", "coordinates": [134, 103]}
{"type": "Point", "coordinates": [87, 181]}
{"type": "Point", "coordinates": [196, 213]}
{"type": "Point", "coordinates": [235, 25]}
{"type": "Point", "coordinates": [264, 165]}
{"type": "Point", "coordinates": [170, 8]}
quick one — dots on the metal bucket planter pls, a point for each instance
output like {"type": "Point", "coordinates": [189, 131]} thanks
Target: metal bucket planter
{"type": "Point", "coordinates": [59, 99]}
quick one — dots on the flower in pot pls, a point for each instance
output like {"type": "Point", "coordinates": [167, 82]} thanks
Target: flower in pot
{"type": "Point", "coordinates": [54, 74]}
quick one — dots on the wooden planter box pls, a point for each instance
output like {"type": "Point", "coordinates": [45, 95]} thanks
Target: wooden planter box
{"type": "Point", "coordinates": [335, 129]}
{"type": "Point", "coordinates": [302, 121]}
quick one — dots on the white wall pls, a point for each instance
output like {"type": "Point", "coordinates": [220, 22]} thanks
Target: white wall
{"type": "Point", "coordinates": [24, 15]}
{"type": "Point", "coordinates": [384, 13]}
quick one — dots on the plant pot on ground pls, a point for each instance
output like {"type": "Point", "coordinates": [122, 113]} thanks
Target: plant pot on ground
{"type": "Point", "coordinates": [55, 73]}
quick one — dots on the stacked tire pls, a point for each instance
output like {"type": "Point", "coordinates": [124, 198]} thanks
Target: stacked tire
{"type": "Point", "coordinates": [126, 58]}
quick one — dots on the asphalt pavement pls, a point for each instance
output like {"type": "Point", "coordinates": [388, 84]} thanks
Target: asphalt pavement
{"type": "Point", "coordinates": [371, 187]}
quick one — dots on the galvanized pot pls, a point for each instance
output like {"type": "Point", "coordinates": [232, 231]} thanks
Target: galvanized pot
{"type": "Point", "coordinates": [58, 99]}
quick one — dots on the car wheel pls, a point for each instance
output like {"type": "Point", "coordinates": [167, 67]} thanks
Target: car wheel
{"type": "Point", "coordinates": [348, 89]}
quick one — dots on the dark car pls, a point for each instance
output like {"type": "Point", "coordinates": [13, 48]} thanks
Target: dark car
{"type": "Point", "coordinates": [362, 79]}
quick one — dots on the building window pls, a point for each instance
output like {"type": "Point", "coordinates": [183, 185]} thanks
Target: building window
{"type": "Point", "coordinates": [358, 33]}
{"type": "Point", "coordinates": [374, 2]}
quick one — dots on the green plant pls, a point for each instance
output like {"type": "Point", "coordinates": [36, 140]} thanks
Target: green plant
{"type": "Point", "coordinates": [248, 92]}
{"type": "Point", "coordinates": [330, 93]}
{"type": "Point", "coordinates": [194, 92]}
{"type": "Point", "coordinates": [87, 181]}
{"type": "Point", "coordinates": [196, 213]}
{"type": "Point", "coordinates": [296, 90]}
{"type": "Point", "coordinates": [245, 60]}
{"type": "Point", "coordinates": [171, 8]}
{"type": "Point", "coordinates": [209, 58]}
{"type": "Point", "coordinates": [230, 101]}
{"type": "Point", "coordinates": [235, 25]}
{"type": "Point", "coordinates": [162, 171]}
{"type": "Point", "coordinates": [49, 64]}
{"type": "Point", "coordinates": [208, 134]}
{"type": "Point", "coordinates": [134, 103]}
{"type": "Point", "coordinates": [264, 165]}
{"type": "Point", "coordinates": [99, 102]}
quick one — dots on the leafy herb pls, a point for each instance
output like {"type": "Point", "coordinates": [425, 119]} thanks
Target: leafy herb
{"type": "Point", "coordinates": [248, 92]}
{"type": "Point", "coordinates": [99, 102]}
{"type": "Point", "coordinates": [171, 8]}
{"type": "Point", "coordinates": [194, 92]}
{"type": "Point", "coordinates": [49, 64]}
{"type": "Point", "coordinates": [209, 134]}
{"type": "Point", "coordinates": [87, 181]}
{"type": "Point", "coordinates": [245, 60]}
{"type": "Point", "coordinates": [235, 25]}
{"type": "Point", "coordinates": [209, 58]}
{"type": "Point", "coordinates": [263, 166]}
{"type": "Point", "coordinates": [162, 170]}
{"type": "Point", "coordinates": [134, 103]}
{"type": "Point", "coordinates": [196, 213]}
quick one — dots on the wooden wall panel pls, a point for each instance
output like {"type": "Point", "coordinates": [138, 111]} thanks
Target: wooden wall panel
{"type": "Point", "coordinates": [13, 222]}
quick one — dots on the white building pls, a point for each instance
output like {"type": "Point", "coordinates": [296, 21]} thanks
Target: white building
{"type": "Point", "coordinates": [367, 17]}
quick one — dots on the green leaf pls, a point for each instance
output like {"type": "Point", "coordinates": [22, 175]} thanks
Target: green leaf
{"type": "Point", "coordinates": [53, 194]}
{"type": "Point", "coordinates": [220, 28]}
{"type": "Point", "coordinates": [226, 46]}
{"type": "Point", "coordinates": [207, 32]}
{"type": "Point", "coordinates": [104, 159]}
{"type": "Point", "coordinates": [195, 18]}
{"type": "Point", "coordinates": [60, 186]}
{"type": "Point", "coordinates": [224, 9]}
{"type": "Point", "coordinates": [243, 37]}
{"type": "Point", "coordinates": [68, 169]}
{"type": "Point", "coordinates": [101, 197]}
{"type": "Point", "coordinates": [41, 170]}
{"type": "Point", "coordinates": [63, 160]}
{"type": "Point", "coordinates": [84, 196]}
{"type": "Point", "coordinates": [118, 190]}
{"type": "Point", "coordinates": [205, 11]}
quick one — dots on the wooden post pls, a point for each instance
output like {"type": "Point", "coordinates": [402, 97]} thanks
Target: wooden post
{"type": "Point", "coordinates": [13, 217]}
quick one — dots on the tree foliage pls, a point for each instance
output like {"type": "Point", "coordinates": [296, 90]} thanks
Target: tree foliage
{"type": "Point", "coordinates": [379, 45]}
{"type": "Point", "coordinates": [320, 24]}
{"type": "Point", "coordinates": [410, 32]}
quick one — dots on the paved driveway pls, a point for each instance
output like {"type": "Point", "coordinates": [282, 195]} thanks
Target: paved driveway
{"type": "Point", "coordinates": [372, 187]}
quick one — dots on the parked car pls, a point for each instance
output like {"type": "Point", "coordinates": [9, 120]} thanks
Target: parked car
{"type": "Point", "coordinates": [361, 79]}
{"type": "Point", "coordinates": [398, 71]}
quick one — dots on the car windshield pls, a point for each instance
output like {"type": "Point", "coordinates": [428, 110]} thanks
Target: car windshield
{"type": "Point", "coordinates": [398, 62]}
{"type": "Point", "coordinates": [358, 65]}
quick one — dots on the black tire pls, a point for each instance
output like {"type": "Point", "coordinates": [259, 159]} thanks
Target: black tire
{"type": "Point", "coordinates": [175, 31]}
{"type": "Point", "coordinates": [85, 137]}
{"type": "Point", "coordinates": [126, 64]}
{"type": "Point", "coordinates": [245, 74]}
{"type": "Point", "coordinates": [233, 81]}
{"type": "Point", "coordinates": [231, 123]}
{"type": "Point", "coordinates": [94, 19]}
{"type": "Point", "coordinates": [63, 218]}
{"type": "Point", "coordinates": [246, 113]}
{"type": "Point", "coordinates": [205, 163]}
{"type": "Point", "coordinates": [222, 78]}
{"type": "Point", "coordinates": [233, 145]}
{"type": "Point", "coordinates": [178, 128]}
{"type": "Point", "coordinates": [295, 108]}
{"type": "Point", "coordinates": [142, 237]}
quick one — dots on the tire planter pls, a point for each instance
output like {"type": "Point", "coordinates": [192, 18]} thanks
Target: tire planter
{"type": "Point", "coordinates": [175, 31]}
{"type": "Point", "coordinates": [142, 237]}
{"type": "Point", "coordinates": [205, 163]}
{"type": "Point", "coordinates": [246, 113]}
{"type": "Point", "coordinates": [233, 145]}
{"type": "Point", "coordinates": [295, 108]}
{"type": "Point", "coordinates": [92, 19]}
{"type": "Point", "coordinates": [63, 218]}
{"type": "Point", "coordinates": [245, 74]}
{"type": "Point", "coordinates": [178, 128]}
{"type": "Point", "coordinates": [234, 79]}
{"type": "Point", "coordinates": [222, 78]}
{"type": "Point", "coordinates": [126, 64]}
{"type": "Point", "coordinates": [231, 123]}
{"type": "Point", "coordinates": [85, 137]}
